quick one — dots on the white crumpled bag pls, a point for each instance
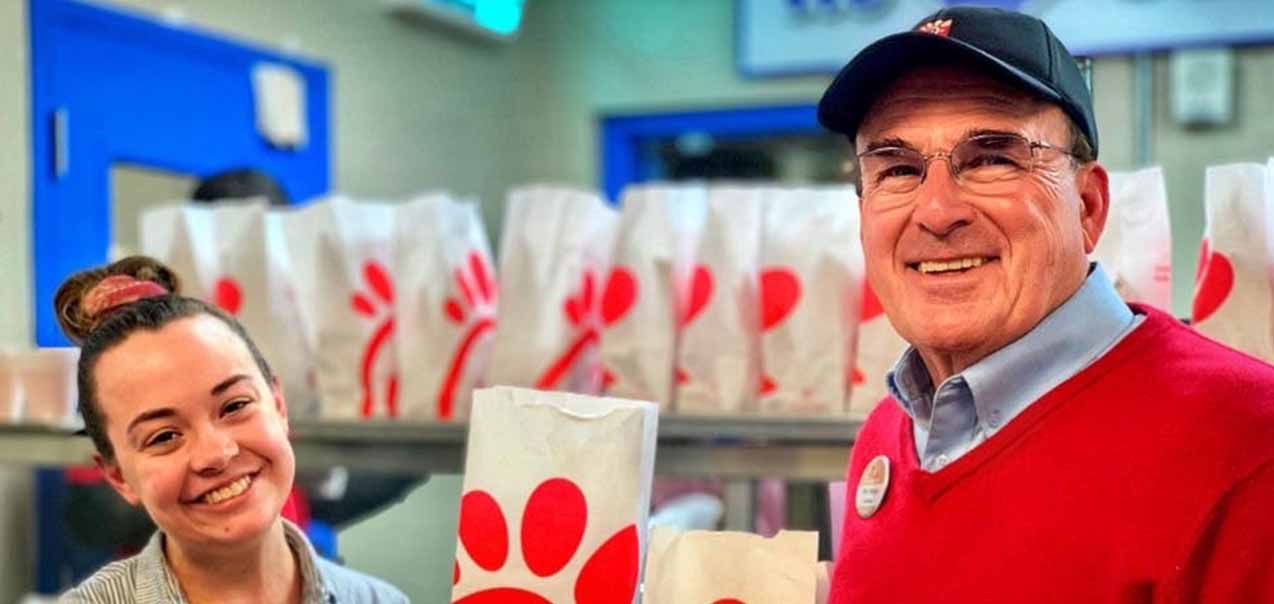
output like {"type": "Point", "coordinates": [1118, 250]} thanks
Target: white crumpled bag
{"type": "Point", "coordinates": [554, 257]}
{"type": "Point", "coordinates": [1233, 302]}
{"type": "Point", "coordinates": [234, 254]}
{"type": "Point", "coordinates": [811, 268]}
{"type": "Point", "coordinates": [351, 304]}
{"type": "Point", "coordinates": [719, 356]}
{"type": "Point", "coordinates": [446, 306]}
{"type": "Point", "coordinates": [704, 567]}
{"type": "Point", "coordinates": [555, 498]}
{"type": "Point", "coordinates": [1136, 247]}
{"type": "Point", "coordinates": [878, 346]}
{"type": "Point", "coordinates": [38, 387]}
{"type": "Point", "coordinates": [651, 273]}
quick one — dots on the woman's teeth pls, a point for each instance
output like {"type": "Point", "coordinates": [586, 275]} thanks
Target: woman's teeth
{"type": "Point", "coordinates": [229, 491]}
{"type": "Point", "coordinates": [958, 264]}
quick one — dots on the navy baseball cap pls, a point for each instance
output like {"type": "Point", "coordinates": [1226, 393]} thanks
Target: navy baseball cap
{"type": "Point", "coordinates": [1012, 46]}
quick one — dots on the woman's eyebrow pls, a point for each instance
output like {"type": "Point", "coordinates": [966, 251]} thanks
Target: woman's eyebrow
{"type": "Point", "coordinates": [159, 413]}
{"type": "Point", "coordinates": [228, 382]}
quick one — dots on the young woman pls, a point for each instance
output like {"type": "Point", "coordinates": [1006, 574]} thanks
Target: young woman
{"type": "Point", "coordinates": [190, 424]}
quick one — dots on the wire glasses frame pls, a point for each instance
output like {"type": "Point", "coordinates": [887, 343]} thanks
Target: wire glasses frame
{"type": "Point", "coordinates": [982, 163]}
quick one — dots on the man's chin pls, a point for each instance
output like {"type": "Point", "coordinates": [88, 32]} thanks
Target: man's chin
{"type": "Point", "coordinates": [950, 334]}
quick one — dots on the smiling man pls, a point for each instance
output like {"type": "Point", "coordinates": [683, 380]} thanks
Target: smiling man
{"type": "Point", "coordinates": [1044, 441]}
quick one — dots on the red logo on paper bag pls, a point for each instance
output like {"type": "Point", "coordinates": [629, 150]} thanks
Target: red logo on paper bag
{"type": "Point", "coordinates": [581, 310]}
{"type": "Point", "coordinates": [227, 295]}
{"type": "Point", "coordinates": [1212, 284]}
{"type": "Point", "coordinates": [553, 524]}
{"type": "Point", "coordinates": [871, 304]}
{"type": "Point", "coordinates": [699, 295]}
{"type": "Point", "coordinates": [618, 298]}
{"type": "Point", "coordinates": [476, 308]}
{"type": "Point", "coordinates": [729, 601]}
{"type": "Point", "coordinates": [780, 292]}
{"type": "Point", "coordinates": [370, 306]}
{"type": "Point", "coordinates": [871, 310]}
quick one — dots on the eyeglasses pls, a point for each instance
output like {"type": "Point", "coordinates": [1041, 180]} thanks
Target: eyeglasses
{"type": "Point", "coordinates": [980, 164]}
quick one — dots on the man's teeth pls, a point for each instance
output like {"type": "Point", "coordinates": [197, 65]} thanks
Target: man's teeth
{"type": "Point", "coordinates": [229, 491]}
{"type": "Point", "coordinates": [951, 265]}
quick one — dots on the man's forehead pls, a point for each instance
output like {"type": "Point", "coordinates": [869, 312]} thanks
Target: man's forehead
{"type": "Point", "coordinates": [950, 87]}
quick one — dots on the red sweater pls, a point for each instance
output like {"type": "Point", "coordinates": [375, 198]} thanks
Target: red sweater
{"type": "Point", "coordinates": [1147, 477]}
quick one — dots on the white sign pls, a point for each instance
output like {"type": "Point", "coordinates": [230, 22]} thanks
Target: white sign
{"type": "Point", "coordinates": [784, 37]}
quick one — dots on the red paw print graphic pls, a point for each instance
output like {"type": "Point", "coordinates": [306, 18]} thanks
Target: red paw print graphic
{"type": "Point", "coordinates": [552, 530]}
{"type": "Point", "coordinates": [475, 311]}
{"type": "Point", "coordinates": [1212, 283]}
{"type": "Point", "coordinates": [697, 299]}
{"type": "Point", "coordinates": [379, 301]}
{"type": "Point", "coordinates": [871, 310]}
{"type": "Point", "coordinates": [227, 295]}
{"type": "Point", "coordinates": [618, 298]}
{"type": "Point", "coordinates": [780, 293]}
{"type": "Point", "coordinates": [581, 310]}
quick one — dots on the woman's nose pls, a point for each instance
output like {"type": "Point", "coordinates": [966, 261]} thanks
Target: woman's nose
{"type": "Point", "coordinates": [213, 451]}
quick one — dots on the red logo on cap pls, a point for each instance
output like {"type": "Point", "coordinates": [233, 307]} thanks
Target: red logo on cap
{"type": "Point", "coordinates": [937, 27]}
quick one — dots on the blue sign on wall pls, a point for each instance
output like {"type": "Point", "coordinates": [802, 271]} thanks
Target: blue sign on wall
{"type": "Point", "coordinates": [784, 37]}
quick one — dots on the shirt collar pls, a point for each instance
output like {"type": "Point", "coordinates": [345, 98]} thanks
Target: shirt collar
{"type": "Point", "coordinates": [156, 582]}
{"type": "Point", "coordinates": [1061, 344]}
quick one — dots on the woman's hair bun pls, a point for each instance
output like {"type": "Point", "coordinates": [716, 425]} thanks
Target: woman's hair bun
{"type": "Point", "coordinates": [86, 298]}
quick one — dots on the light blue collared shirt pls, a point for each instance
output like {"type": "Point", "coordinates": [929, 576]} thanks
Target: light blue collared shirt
{"type": "Point", "coordinates": [972, 405]}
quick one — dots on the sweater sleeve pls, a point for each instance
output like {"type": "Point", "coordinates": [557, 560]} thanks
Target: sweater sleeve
{"type": "Point", "coordinates": [1233, 557]}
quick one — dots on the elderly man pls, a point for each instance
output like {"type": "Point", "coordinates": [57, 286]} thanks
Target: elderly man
{"type": "Point", "coordinates": [1044, 441]}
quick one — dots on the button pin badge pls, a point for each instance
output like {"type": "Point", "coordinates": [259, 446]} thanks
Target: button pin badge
{"type": "Point", "coordinates": [872, 487]}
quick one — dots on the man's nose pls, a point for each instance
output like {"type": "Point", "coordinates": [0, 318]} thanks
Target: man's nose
{"type": "Point", "coordinates": [213, 451]}
{"type": "Point", "coordinates": [940, 208]}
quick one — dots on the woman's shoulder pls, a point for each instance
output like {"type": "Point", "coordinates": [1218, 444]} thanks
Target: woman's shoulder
{"type": "Point", "coordinates": [352, 587]}
{"type": "Point", "coordinates": [115, 582]}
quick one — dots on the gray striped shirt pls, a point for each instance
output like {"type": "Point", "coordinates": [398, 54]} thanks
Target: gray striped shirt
{"type": "Point", "coordinates": [146, 579]}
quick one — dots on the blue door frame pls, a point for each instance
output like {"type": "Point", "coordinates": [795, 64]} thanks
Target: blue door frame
{"type": "Point", "coordinates": [117, 87]}
{"type": "Point", "coordinates": [622, 135]}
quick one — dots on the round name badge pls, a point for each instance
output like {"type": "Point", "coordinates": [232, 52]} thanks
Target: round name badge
{"type": "Point", "coordinates": [872, 487]}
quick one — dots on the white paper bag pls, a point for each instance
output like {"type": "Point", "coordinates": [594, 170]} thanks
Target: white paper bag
{"type": "Point", "coordinates": [10, 389]}
{"type": "Point", "coordinates": [877, 348]}
{"type": "Point", "coordinates": [1232, 299]}
{"type": "Point", "coordinates": [719, 356]}
{"type": "Point", "coordinates": [301, 227]}
{"type": "Point", "coordinates": [234, 254]}
{"type": "Point", "coordinates": [555, 498]}
{"type": "Point", "coordinates": [651, 272]}
{"type": "Point", "coordinates": [446, 307]}
{"type": "Point", "coordinates": [1136, 247]}
{"type": "Point", "coordinates": [703, 567]}
{"type": "Point", "coordinates": [354, 306]}
{"type": "Point", "coordinates": [811, 268]}
{"type": "Point", "coordinates": [46, 386]}
{"type": "Point", "coordinates": [554, 255]}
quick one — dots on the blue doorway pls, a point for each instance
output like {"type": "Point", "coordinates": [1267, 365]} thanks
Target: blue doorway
{"type": "Point", "coordinates": [110, 87]}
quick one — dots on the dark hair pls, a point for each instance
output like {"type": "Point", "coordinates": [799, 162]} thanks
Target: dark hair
{"type": "Point", "coordinates": [239, 183]}
{"type": "Point", "coordinates": [98, 333]}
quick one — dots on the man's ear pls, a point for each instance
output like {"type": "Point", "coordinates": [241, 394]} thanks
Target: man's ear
{"type": "Point", "coordinates": [1093, 184]}
{"type": "Point", "coordinates": [115, 477]}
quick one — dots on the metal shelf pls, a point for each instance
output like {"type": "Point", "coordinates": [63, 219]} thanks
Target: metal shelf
{"type": "Point", "coordinates": [728, 447]}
